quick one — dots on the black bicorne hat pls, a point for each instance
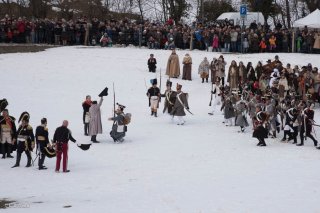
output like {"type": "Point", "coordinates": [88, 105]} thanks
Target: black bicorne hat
{"type": "Point", "coordinates": [169, 83]}
{"type": "Point", "coordinates": [121, 106]}
{"type": "Point", "coordinates": [104, 92]}
{"type": "Point", "coordinates": [49, 152]}
{"type": "Point", "coordinates": [154, 81]}
{"type": "Point", "coordinates": [3, 104]}
{"type": "Point", "coordinates": [25, 116]}
{"type": "Point", "coordinates": [84, 146]}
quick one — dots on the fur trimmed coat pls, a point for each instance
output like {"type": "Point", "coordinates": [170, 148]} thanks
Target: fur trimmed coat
{"type": "Point", "coordinates": [173, 66]}
{"type": "Point", "coordinates": [95, 125]}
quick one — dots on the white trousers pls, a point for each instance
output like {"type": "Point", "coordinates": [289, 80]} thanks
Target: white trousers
{"type": "Point", "coordinates": [6, 138]}
{"type": "Point", "coordinates": [154, 102]}
{"type": "Point", "coordinates": [216, 101]}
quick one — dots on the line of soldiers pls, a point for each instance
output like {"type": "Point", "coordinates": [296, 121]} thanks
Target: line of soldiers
{"type": "Point", "coordinates": [268, 113]}
{"type": "Point", "coordinates": [175, 102]}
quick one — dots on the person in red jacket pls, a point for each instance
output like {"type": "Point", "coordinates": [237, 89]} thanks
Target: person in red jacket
{"type": "Point", "coordinates": [86, 115]}
{"type": "Point", "coordinates": [60, 140]}
{"type": "Point", "coordinates": [21, 26]}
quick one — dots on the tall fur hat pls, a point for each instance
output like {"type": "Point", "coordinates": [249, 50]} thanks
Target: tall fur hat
{"type": "Point", "coordinates": [169, 83]}
{"type": "Point", "coordinates": [25, 116]}
{"type": "Point", "coordinates": [3, 104]}
{"type": "Point", "coordinates": [154, 81]}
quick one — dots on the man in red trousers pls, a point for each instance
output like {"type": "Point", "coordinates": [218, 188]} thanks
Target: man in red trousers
{"type": "Point", "coordinates": [60, 139]}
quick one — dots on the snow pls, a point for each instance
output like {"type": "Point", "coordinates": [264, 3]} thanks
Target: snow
{"type": "Point", "coordinates": [202, 166]}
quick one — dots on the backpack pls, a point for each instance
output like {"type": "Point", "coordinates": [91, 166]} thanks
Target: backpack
{"type": "Point", "coordinates": [127, 118]}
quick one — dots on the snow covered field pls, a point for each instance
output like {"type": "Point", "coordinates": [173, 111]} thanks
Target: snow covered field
{"type": "Point", "coordinates": [201, 167]}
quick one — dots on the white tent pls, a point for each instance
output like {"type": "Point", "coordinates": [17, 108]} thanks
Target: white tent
{"type": "Point", "coordinates": [311, 21]}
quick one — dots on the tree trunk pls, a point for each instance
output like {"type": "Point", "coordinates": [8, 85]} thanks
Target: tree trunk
{"type": "Point", "coordinates": [164, 9]}
{"type": "Point", "coordinates": [288, 14]}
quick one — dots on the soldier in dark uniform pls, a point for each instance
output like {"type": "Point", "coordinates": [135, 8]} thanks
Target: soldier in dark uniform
{"type": "Point", "coordinates": [306, 126]}
{"type": "Point", "coordinates": [42, 139]}
{"type": "Point", "coordinates": [154, 97]}
{"type": "Point", "coordinates": [86, 116]}
{"type": "Point", "coordinates": [170, 97]}
{"type": "Point", "coordinates": [8, 133]}
{"type": "Point", "coordinates": [291, 125]}
{"type": "Point", "coordinates": [25, 139]}
{"type": "Point", "coordinates": [260, 132]}
{"type": "Point", "coordinates": [152, 63]}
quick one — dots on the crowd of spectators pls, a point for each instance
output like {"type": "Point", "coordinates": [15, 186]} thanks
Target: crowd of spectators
{"type": "Point", "coordinates": [215, 36]}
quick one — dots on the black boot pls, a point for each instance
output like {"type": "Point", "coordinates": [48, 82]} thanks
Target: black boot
{"type": "Point", "coordinates": [94, 139]}
{"type": "Point", "coordinates": [9, 151]}
{"type": "Point", "coordinates": [155, 114]}
{"type": "Point", "coordinates": [86, 127]}
{"type": "Point", "coordinates": [203, 80]}
{"type": "Point", "coordinates": [294, 140]}
{"type": "Point", "coordinates": [285, 133]}
{"type": "Point", "coordinates": [29, 158]}
{"type": "Point", "coordinates": [207, 80]}
{"type": "Point", "coordinates": [263, 143]}
{"type": "Point", "coordinates": [315, 143]}
{"type": "Point", "coordinates": [41, 160]}
{"type": "Point", "coordinates": [152, 112]}
{"type": "Point", "coordinates": [18, 160]}
{"type": "Point", "coordinates": [3, 147]}
{"type": "Point", "coordinates": [300, 144]}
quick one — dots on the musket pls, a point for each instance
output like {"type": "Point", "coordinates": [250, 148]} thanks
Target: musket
{"type": "Point", "coordinates": [188, 111]}
{"type": "Point", "coordinates": [114, 101]}
{"type": "Point", "coordinates": [145, 84]}
{"type": "Point", "coordinates": [211, 94]}
{"type": "Point", "coordinates": [160, 86]}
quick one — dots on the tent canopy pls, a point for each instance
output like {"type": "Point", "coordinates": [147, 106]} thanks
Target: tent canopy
{"type": "Point", "coordinates": [311, 21]}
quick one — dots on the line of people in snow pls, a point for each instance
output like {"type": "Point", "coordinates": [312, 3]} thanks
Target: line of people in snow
{"type": "Point", "coordinates": [25, 139]}
{"type": "Point", "coordinates": [219, 36]}
{"type": "Point", "coordinates": [280, 100]}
